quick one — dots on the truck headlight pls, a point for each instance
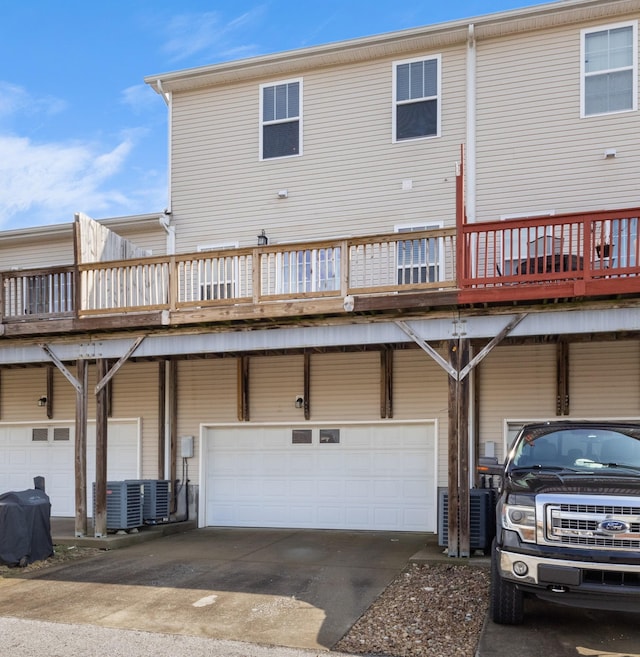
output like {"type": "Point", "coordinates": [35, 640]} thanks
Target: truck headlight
{"type": "Point", "coordinates": [520, 519]}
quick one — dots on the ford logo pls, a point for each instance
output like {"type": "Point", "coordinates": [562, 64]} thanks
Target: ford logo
{"type": "Point", "coordinates": [613, 526]}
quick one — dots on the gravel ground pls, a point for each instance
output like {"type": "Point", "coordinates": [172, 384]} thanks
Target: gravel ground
{"type": "Point", "coordinates": [428, 611]}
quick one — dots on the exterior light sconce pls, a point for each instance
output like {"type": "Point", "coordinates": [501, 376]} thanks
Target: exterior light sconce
{"type": "Point", "coordinates": [263, 240]}
{"type": "Point", "coordinates": [42, 401]}
{"type": "Point", "coordinates": [283, 193]}
{"type": "Point", "coordinates": [299, 401]}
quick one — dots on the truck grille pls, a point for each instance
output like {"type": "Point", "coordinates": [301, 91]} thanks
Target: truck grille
{"type": "Point", "coordinates": [598, 522]}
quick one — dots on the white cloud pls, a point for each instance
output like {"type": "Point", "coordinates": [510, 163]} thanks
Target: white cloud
{"type": "Point", "coordinates": [14, 99]}
{"type": "Point", "coordinates": [209, 35]}
{"type": "Point", "coordinates": [141, 99]}
{"type": "Point", "coordinates": [52, 181]}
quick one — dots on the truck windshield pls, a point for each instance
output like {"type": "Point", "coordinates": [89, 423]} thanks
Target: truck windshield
{"type": "Point", "coordinates": [577, 448]}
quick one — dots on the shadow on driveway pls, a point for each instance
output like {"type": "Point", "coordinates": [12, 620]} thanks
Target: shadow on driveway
{"type": "Point", "coordinates": [296, 588]}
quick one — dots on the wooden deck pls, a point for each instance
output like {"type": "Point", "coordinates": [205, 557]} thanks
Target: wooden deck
{"type": "Point", "coordinates": [563, 257]}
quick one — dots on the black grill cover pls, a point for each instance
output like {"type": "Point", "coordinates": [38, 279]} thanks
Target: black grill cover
{"type": "Point", "coordinates": [25, 527]}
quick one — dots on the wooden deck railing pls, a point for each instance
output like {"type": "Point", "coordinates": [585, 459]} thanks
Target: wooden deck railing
{"type": "Point", "coordinates": [390, 263]}
{"type": "Point", "coordinates": [588, 254]}
{"type": "Point", "coordinates": [37, 293]}
{"type": "Point", "coordinates": [595, 252]}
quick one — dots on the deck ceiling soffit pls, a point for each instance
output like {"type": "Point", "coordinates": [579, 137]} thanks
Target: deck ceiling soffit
{"type": "Point", "coordinates": [394, 44]}
{"type": "Point", "coordinates": [486, 327]}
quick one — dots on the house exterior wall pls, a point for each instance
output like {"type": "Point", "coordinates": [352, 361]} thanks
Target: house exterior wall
{"type": "Point", "coordinates": [534, 152]}
{"type": "Point", "coordinates": [134, 395]}
{"type": "Point", "coordinates": [519, 383]}
{"type": "Point", "coordinates": [516, 383]}
{"type": "Point", "coordinates": [34, 252]}
{"type": "Point", "coordinates": [223, 193]}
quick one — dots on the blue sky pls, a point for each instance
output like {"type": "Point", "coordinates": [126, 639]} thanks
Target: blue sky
{"type": "Point", "coordinates": [79, 129]}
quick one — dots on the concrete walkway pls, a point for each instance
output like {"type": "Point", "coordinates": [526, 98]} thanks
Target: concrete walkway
{"type": "Point", "coordinates": [299, 588]}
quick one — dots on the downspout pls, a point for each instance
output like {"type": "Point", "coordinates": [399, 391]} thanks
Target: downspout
{"type": "Point", "coordinates": [470, 188]}
{"type": "Point", "coordinates": [470, 151]}
{"type": "Point", "coordinates": [164, 221]}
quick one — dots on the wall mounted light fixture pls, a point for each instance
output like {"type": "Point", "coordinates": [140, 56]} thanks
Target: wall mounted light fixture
{"type": "Point", "coordinates": [299, 401]}
{"type": "Point", "coordinates": [42, 401]}
{"type": "Point", "coordinates": [263, 240]}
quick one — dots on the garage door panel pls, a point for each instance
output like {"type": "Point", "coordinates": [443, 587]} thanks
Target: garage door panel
{"type": "Point", "coordinates": [375, 477]}
{"type": "Point", "coordinates": [54, 459]}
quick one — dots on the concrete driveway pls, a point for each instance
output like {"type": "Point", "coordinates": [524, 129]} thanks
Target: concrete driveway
{"type": "Point", "coordinates": [295, 588]}
{"type": "Point", "coordinates": [559, 631]}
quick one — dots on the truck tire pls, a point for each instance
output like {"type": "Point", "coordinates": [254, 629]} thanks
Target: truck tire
{"type": "Point", "coordinates": [506, 602]}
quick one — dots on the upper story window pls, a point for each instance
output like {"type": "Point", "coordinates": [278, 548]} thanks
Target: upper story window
{"type": "Point", "coordinates": [416, 99]}
{"type": "Point", "coordinates": [609, 69]}
{"type": "Point", "coordinates": [281, 119]}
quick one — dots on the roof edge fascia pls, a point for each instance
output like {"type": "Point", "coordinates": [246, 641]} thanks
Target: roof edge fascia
{"type": "Point", "coordinates": [62, 229]}
{"type": "Point", "coordinates": [390, 44]}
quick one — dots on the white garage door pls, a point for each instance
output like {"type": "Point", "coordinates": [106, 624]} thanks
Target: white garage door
{"type": "Point", "coordinates": [29, 450]}
{"type": "Point", "coordinates": [348, 477]}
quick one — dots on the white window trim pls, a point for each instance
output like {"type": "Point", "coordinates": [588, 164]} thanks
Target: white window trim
{"type": "Point", "coordinates": [601, 28]}
{"type": "Point", "coordinates": [219, 246]}
{"type": "Point", "coordinates": [300, 121]}
{"type": "Point", "coordinates": [425, 225]}
{"type": "Point", "coordinates": [208, 284]}
{"type": "Point", "coordinates": [395, 65]}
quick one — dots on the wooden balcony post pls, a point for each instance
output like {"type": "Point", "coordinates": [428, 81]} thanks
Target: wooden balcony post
{"type": "Point", "coordinates": [461, 242]}
{"type": "Point", "coordinates": [81, 449]}
{"type": "Point", "coordinates": [173, 284]}
{"type": "Point", "coordinates": [100, 511]}
{"type": "Point", "coordinates": [1, 301]}
{"type": "Point", "coordinates": [344, 268]}
{"type": "Point", "coordinates": [458, 488]}
{"type": "Point", "coordinates": [256, 276]}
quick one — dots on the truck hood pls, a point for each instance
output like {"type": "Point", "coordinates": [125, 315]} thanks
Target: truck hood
{"type": "Point", "coordinates": [543, 481]}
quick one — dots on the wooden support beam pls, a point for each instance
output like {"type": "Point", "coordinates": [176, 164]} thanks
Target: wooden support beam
{"type": "Point", "coordinates": [243, 389]}
{"type": "Point", "coordinates": [162, 416]}
{"type": "Point", "coordinates": [386, 382]}
{"type": "Point", "coordinates": [458, 485]}
{"type": "Point", "coordinates": [464, 501]}
{"type": "Point", "coordinates": [307, 386]}
{"type": "Point", "coordinates": [173, 428]}
{"type": "Point", "coordinates": [477, 384]}
{"type": "Point", "coordinates": [50, 371]}
{"type": "Point", "coordinates": [562, 378]}
{"type": "Point", "coordinates": [100, 511]}
{"type": "Point", "coordinates": [81, 448]}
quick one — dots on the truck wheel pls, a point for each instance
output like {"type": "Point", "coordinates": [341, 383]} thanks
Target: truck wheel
{"type": "Point", "coordinates": [506, 603]}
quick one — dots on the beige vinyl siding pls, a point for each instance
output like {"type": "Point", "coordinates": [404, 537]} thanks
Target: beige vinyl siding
{"type": "Point", "coordinates": [37, 252]}
{"type": "Point", "coordinates": [349, 159]}
{"type": "Point", "coordinates": [534, 152]}
{"type": "Point", "coordinates": [275, 382]}
{"type": "Point", "coordinates": [345, 386]}
{"type": "Point", "coordinates": [135, 394]}
{"type": "Point", "coordinates": [420, 391]}
{"type": "Point", "coordinates": [605, 379]}
{"type": "Point", "coordinates": [207, 393]}
{"type": "Point", "coordinates": [515, 382]}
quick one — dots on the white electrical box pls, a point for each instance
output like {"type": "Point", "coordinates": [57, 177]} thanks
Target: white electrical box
{"type": "Point", "coordinates": [186, 447]}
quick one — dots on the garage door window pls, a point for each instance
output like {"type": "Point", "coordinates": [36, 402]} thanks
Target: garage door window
{"type": "Point", "coordinates": [329, 436]}
{"type": "Point", "coordinates": [301, 437]}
